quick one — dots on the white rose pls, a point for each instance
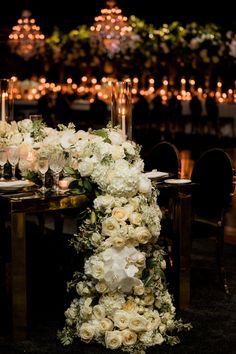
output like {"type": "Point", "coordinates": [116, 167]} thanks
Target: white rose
{"type": "Point", "coordinates": [117, 152]}
{"type": "Point", "coordinates": [115, 137]}
{"type": "Point", "coordinates": [129, 148]}
{"type": "Point", "coordinates": [135, 218]}
{"type": "Point", "coordinates": [128, 337]}
{"type": "Point", "coordinates": [86, 332]}
{"type": "Point", "coordinates": [144, 185]}
{"type": "Point", "coordinates": [146, 337]}
{"type": "Point", "coordinates": [85, 312]}
{"type": "Point", "coordinates": [95, 267]}
{"type": "Point", "coordinates": [148, 299]}
{"type": "Point", "coordinates": [113, 340]}
{"type": "Point", "coordinates": [86, 167]}
{"type": "Point", "coordinates": [106, 325]}
{"type": "Point", "coordinates": [139, 289]}
{"type": "Point", "coordinates": [121, 319]}
{"type": "Point", "coordinates": [153, 320]}
{"type": "Point", "coordinates": [167, 316]}
{"type": "Point", "coordinates": [135, 202]}
{"type": "Point", "coordinates": [103, 202]}
{"type": "Point", "coordinates": [120, 213]}
{"type": "Point", "coordinates": [158, 339]}
{"type": "Point", "coordinates": [137, 323]}
{"type": "Point", "coordinates": [25, 125]}
{"type": "Point", "coordinates": [95, 239]}
{"type": "Point", "coordinates": [98, 270]}
{"type": "Point", "coordinates": [71, 313]}
{"type": "Point", "coordinates": [142, 234]}
{"type": "Point", "coordinates": [101, 287]}
{"type": "Point", "coordinates": [139, 259]}
{"type": "Point", "coordinates": [110, 226]}
{"type": "Point", "coordinates": [82, 289]}
{"type": "Point", "coordinates": [68, 139]}
{"type": "Point", "coordinates": [99, 312]}
{"type": "Point", "coordinates": [118, 242]}
{"type": "Point", "coordinates": [130, 306]}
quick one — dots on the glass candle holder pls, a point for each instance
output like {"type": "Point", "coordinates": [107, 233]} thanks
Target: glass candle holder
{"type": "Point", "coordinates": [121, 108]}
{"type": "Point", "coordinates": [6, 100]}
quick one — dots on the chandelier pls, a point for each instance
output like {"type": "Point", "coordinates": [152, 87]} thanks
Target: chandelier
{"type": "Point", "coordinates": [111, 31]}
{"type": "Point", "coordinates": [26, 39]}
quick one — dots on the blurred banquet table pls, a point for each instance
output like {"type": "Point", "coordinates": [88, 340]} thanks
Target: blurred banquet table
{"type": "Point", "coordinates": [225, 109]}
{"type": "Point", "coordinates": [23, 108]}
{"type": "Point", "coordinates": [27, 107]}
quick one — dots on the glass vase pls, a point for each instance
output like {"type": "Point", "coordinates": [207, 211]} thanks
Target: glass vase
{"type": "Point", "coordinates": [121, 108]}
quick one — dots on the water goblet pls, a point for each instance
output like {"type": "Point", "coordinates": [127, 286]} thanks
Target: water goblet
{"type": "Point", "coordinates": [56, 162]}
{"type": "Point", "coordinates": [13, 156]}
{"type": "Point", "coordinates": [43, 165]}
{"type": "Point", "coordinates": [3, 160]}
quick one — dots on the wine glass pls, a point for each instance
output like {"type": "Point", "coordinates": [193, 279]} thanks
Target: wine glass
{"type": "Point", "coordinates": [56, 162]}
{"type": "Point", "coordinates": [3, 160]}
{"type": "Point", "coordinates": [13, 156]}
{"type": "Point", "coordinates": [43, 165]}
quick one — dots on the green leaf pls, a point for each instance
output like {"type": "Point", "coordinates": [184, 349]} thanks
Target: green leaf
{"type": "Point", "coordinates": [87, 185]}
{"type": "Point", "coordinates": [70, 170]}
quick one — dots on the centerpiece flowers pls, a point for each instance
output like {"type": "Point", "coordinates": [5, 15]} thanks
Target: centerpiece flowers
{"type": "Point", "coordinates": [120, 297]}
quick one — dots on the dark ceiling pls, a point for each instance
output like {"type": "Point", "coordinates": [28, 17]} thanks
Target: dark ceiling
{"type": "Point", "coordinates": [68, 14]}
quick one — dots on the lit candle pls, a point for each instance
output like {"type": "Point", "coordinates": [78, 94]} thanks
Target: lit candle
{"type": "Point", "coordinates": [3, 116]}
{"type": "Point", "coordinates": [165, 85]}
{"type": "Point", "coordinates": [192, 85]}
{"type": "Point", "coordinates": [123, 122]}
{"type": "Point", "coordinates": [183, 83]}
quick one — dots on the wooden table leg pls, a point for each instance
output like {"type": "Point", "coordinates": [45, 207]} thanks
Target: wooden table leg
{"type": "Point", "coordinates": [18, 275]}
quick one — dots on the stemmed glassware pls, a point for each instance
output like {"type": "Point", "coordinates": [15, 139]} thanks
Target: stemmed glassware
{"type": "Point", "coordinates": [57, 162]}
{"type": "Point", "coordinates": [13, 155]}
{"type": "Point", "coordinates": [3, 160]}
{"type": "Point", "coordinates": [43, 165]}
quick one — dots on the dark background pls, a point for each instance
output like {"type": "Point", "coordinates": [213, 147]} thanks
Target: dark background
{"type": "Point", "coordinates": [68, 14]}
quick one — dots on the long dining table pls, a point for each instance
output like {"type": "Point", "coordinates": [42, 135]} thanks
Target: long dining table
{"type": "Point", "coordinates": [15, 207]}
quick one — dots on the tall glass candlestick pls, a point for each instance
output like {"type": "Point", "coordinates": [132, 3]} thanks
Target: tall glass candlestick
{"type": "Point", "coordinates": [121, 108]}
{"type": "Point", "coordinates": [6, 99]}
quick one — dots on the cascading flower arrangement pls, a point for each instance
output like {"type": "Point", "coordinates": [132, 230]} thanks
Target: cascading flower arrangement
{"type": "Point", "coordinates": [120, 297]}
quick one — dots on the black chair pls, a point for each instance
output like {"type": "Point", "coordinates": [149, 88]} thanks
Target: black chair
{"type": "Point", "coordinates": [213, 177]}
{"type": "Point", "coordinates": [164, 156]}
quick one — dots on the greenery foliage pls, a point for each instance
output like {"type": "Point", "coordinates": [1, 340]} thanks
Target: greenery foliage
{"type": "Point", "coordinates": [172, 49]}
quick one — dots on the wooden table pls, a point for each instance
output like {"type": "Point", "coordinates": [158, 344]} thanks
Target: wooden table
{"type": "Point", "coordinates": [15, 209]}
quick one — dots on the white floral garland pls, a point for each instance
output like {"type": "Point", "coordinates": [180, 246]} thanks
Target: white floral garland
{"type": "Point", "coordinates": [121, 297]}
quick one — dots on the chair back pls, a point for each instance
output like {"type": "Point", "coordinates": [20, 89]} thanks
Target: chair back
{"type": "Point", "coordinates": [213, 175]}
{"type": "Point", "coordinates": [164, 156]}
